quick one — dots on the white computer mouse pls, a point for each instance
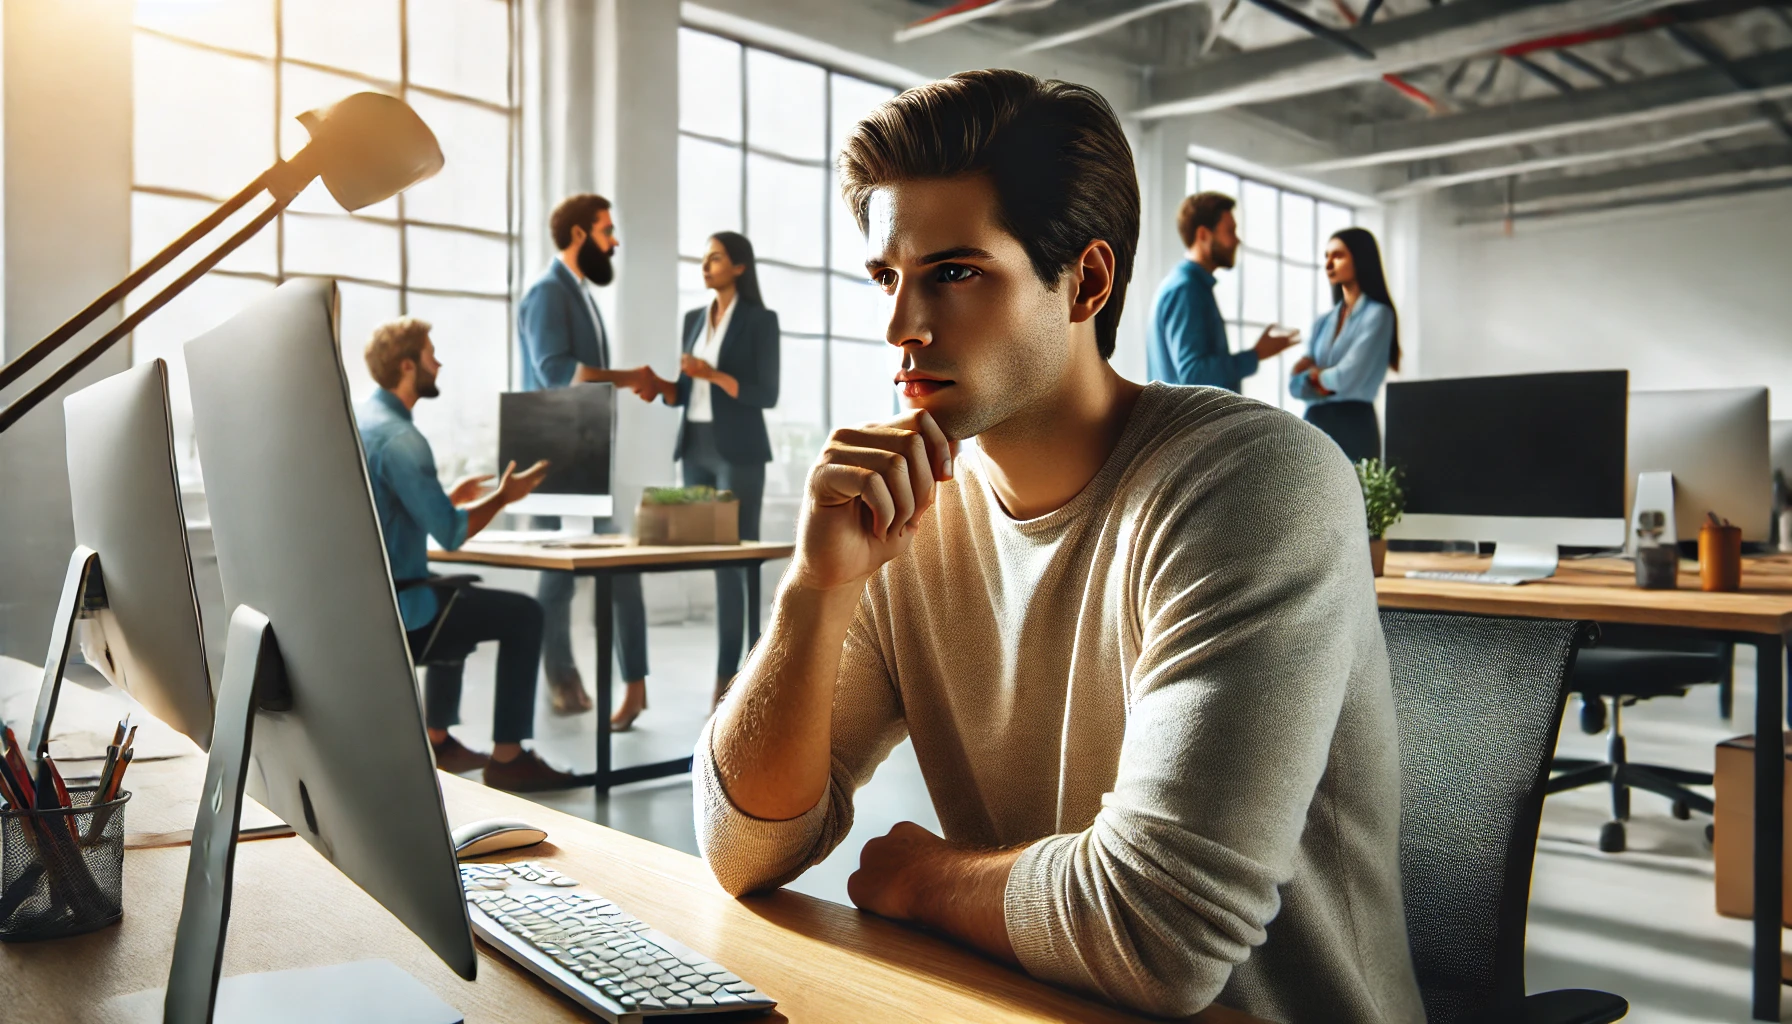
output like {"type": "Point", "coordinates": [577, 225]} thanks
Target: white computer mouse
{"type": "Point", "coordinates": [478, 838]}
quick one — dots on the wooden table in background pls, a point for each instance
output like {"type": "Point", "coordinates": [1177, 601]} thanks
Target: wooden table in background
{"type": "Point", "coordinates": [822, 962]}
{"type": "Point", "coordinates": [602, 563]}
{"type": "Point", "coordinates": [1604, 590]}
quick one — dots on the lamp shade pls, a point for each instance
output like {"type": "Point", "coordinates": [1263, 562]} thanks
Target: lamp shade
{"type": "Point", "coordinates": [370, 146]}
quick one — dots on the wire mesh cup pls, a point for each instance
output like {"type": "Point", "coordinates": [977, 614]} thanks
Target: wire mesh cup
{"type": "Point", "coordinates": [62, 869]}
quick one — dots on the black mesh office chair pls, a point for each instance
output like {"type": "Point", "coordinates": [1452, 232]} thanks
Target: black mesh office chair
{"type": "Point", "coordinates": [448, 590]}
{"type": "Point", "coordinates": [1631, 664]}
{"type": "Point", "coordinates": [1478, 701]}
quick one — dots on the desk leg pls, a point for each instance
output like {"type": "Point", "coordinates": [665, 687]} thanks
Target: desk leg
{"type": "Point", "coordinates": [606, 660]}
{"type": "Point", "coordinates": [753, 571]}
{"type": "Point", "coordinates": [1770, 777]}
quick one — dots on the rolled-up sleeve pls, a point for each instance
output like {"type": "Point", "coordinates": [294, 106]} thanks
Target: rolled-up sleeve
{"type": "Point", "coordinates": [748, 854]}
{"type": "Point", "coordinates": [1234, 700]}
{"type": "Point", "coordinates": [409, 469]}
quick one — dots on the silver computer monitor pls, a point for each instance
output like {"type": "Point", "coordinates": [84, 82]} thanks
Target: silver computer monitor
{"type": "Point", "coordinates": [349, 765]}
{"type": "Point", "coordinates": [1780, 442]}
{"type": "Point", "coordinates": [145, 635]}
{"type": "Point", "coordinates": [1715, 442]}
{"type": "Point", "coordinates": [1531, 462]}
{"type": "Point", "coordinates": [571, 428]}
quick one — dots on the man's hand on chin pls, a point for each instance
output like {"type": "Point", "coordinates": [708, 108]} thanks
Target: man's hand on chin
{"type": "Point", "coordinates": [910, 874]}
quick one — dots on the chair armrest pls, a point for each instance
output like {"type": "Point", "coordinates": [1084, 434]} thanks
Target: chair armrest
{"type": "Point", "coordinates": [436, 582]}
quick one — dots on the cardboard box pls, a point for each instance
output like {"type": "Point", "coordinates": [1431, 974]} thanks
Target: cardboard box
{"type": "Point", "coordinates": [701, 522]}
{"type": "Point", "coordinates": [1733, 842]}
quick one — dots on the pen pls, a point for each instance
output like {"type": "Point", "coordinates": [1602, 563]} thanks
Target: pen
{"type": "Point", "coordinates": [124, 761]}
{"type": "Point", "coordinates": [16, 762]}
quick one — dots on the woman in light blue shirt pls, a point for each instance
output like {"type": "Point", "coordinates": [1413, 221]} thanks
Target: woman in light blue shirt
{"type": "Point", "coordinates": [1352, 347]}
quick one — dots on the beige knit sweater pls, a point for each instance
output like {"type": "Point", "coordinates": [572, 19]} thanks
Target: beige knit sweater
{"type": "Point", "coordinates": [1176, 688]}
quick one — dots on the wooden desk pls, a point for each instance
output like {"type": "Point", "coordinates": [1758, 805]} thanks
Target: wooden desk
{"type": "Point", "coordinates": [821, 961]}
{"type": "Point", "coordinates": [1604, 590]}
{"type": "Point", "coordinates": [602, 564]}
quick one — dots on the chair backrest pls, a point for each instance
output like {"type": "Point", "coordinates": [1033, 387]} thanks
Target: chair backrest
{"type": "Point", "coordinates": [1478, 703]}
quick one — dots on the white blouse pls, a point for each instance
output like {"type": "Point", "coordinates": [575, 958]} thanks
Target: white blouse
{"type": "Point", "coordinates": [708, 349]}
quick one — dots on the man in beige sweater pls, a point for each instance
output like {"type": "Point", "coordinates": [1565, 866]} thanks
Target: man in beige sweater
{"type": "Point", "coordinates": [1132, 634]}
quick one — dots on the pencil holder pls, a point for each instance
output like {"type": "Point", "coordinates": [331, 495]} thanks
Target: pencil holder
{"type": "Point", "coordinates": [1720, 557]}
{"type": "Point", "coordinates": [61, 870]}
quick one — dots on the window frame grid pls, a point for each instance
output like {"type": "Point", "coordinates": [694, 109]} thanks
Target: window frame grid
{"type": "Point", "coordinates": [829, 335]}
{"type": "Point", "coordinates": [402, 88]}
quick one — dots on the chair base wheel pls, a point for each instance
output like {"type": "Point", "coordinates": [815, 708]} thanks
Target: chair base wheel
{"type": "Point", "coordinates": [1611, 837]}
{"type": "Point", "coordinates": [1592, 715]}
{"type": "Point", "coordinates": [1681, 811]}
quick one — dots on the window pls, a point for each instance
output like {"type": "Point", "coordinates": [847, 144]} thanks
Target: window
{"type": "Point", "coordinates": [1280, 275]}
{"type": "Point", "coordinates": [217, 87]}
{"type": "Point", "coordinates": [758, 132]}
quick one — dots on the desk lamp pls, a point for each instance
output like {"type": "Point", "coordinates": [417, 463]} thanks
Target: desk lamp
{"type": "Point", "coordinates": [366, 147]}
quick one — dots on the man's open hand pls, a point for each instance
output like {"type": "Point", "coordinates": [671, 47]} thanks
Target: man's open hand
{"type": "Point", "coordinates": [468, 489]}
{"type": "Point", "coordinates": [514, 486]}
{"type": "Point", "coordinates": [866, 496]}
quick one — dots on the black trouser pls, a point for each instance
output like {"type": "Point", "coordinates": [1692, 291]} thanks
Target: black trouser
{"type": "Point", "coordinates": [703, 464]}
{"type": "Point", "coordinates": [479, 615]}
{"type": "Point", "coordinates": [1352, 425]}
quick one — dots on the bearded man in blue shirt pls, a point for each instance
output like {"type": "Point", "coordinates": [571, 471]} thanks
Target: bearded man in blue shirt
{"type": "Point", "coordinates": [1187, 344]}
{"type": "Point", "coordinates": [412, 506]}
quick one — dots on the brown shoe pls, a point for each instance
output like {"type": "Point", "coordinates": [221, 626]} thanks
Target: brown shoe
{"type": "Point", "coordinates": [455, 759]}
{"type": "Point", "coordinates": [567, 694]}
{"type": "Point", "coordinates": [527, 773]}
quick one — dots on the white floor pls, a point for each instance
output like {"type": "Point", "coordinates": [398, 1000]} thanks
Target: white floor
{"type": "Point", "coordinates": [1640, 924]}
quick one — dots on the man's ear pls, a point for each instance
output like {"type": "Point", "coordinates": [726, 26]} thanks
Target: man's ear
{"type": "Point", "coordinates": [579, 235]}
{"type": "Point", "coordinates": [1092, 280]}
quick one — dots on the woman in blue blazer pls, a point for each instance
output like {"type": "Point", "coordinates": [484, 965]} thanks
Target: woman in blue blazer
{"type": "Point", "coordinates": [1352, 347]}
{"type": "Point", "coordinates": [727, 378]}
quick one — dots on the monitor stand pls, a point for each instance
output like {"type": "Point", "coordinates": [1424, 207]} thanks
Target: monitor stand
{"type": "Point", "coordinates": [1525, 561]}
{"type": "Point", "coordinates": [362, 992]}
{"type": "Point", "coordinates": [83, 589]}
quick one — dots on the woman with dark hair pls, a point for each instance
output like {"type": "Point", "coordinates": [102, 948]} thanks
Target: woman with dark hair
{"type": "Point", "coordinates": [1352, 347]}
{"type": "Point", "coordinates": [727, 378]}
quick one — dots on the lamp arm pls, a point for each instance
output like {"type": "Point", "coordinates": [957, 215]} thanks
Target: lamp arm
{"type": "Point", "coordinates": [67, 372]}
{"type": "Point", "coordinates": [35, 354]}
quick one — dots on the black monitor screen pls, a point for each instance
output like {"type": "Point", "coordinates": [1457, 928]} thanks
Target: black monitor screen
{"type": "Point", "coordinates": [1532, 445]}
{"type": "Point", "coordinates": [569, 427]}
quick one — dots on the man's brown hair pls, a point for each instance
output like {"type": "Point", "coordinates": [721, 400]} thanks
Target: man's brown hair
{"type": "Point", "coordinates": [1062, 170]}
{"type": "Point", "coordinates": [575, 211]}
{"type": "Point", "coordinates": [392, 343]}
{"type": "Point", "coordinates": [1202, 210]}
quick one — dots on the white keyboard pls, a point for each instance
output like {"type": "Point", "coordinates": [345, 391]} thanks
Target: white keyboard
{"type": "Point", "coordinates": [590, 949]}
{"type": "Point", "coordinates": [1468, 577]}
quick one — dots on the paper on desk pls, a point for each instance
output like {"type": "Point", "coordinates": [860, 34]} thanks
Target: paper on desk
{"type": "Point", "coordinates": [86, 716]}
{"type": "Point", "coordinates": [167, 771]}
{"type": "Point", "coordinates": [519, 536]}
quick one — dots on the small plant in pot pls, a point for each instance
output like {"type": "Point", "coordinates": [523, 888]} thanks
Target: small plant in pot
{"type": "Point", "coordinates": [1383, 504]}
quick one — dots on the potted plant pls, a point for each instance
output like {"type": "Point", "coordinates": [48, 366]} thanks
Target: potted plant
{"type": "Point", "coordinates": [687, 515]}
{"type": "Point", "coordinates": [1383, 504]}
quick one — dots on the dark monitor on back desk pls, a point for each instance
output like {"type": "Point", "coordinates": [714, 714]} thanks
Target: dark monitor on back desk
{"type": "Point", "coordinates": [1530, 461]}
{"type": "Point", "coordinates": [570, 427]}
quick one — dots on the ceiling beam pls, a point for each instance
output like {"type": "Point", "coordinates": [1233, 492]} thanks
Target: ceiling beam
{"type": "Point", "coordinates": [1435, 35]}
{"type": "Point", "coordinates": [1108, 24]}
{"type": "Point", "coordinates": [1644, 101]}
{"type": "Point", "coordinates": [1714, 170]}
{"type": "Point", "coordinates": [1512, 168]}
{"type": "Point", "coordinates": [1490, 214]}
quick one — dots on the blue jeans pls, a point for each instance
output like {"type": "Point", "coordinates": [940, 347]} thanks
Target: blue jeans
{"type": "Point", "coordinates": [555, 593]}
{"type": "Point", "coordinates": [704, 465]}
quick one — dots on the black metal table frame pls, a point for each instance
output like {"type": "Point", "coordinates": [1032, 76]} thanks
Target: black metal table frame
{"type": "Point", "coordinates": [1771, 653]}
{"type": "Point", "coordinates": [606, 776]}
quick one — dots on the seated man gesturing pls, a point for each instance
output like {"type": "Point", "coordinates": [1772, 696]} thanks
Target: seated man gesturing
{"type": "Point", "coordinates": [1132, 634]}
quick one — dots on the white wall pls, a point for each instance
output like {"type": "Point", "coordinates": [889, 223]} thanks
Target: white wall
{"type": "Point", "coordinates": [67, 145]}
{"type": "Point", "coordinates": [1691, 295]}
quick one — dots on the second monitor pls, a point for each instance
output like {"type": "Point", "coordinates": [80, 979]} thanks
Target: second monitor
{"type": "Point", "coordinates": [570, 428]}
{"type": "Point", "coordinates": [1530, 462]}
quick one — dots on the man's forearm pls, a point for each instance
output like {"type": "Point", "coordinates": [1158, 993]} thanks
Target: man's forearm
{"type": "Point", "coordinates": [964, 894]}
{"type": "Point", "coordinates": [772, 739]}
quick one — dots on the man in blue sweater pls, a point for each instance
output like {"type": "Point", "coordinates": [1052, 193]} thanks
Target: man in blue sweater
{"type": "Point", "coordinates": [563, 340]}
{"type": "Point", "coordinates": [1187, 344]}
